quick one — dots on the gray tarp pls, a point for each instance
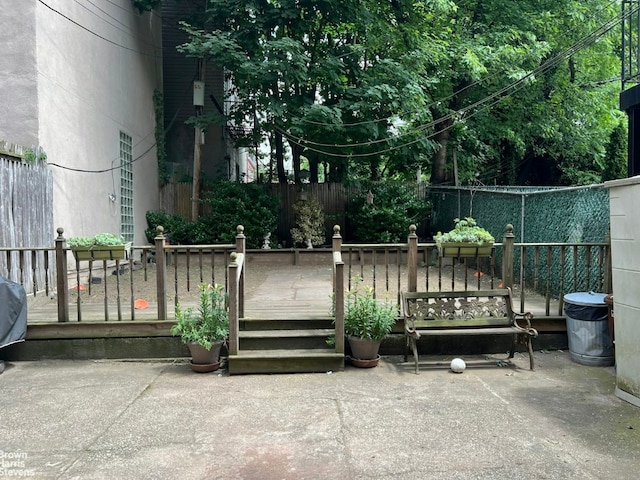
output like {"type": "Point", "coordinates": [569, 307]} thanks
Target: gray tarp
{"type": "Point", "coordinates": [13, 312]}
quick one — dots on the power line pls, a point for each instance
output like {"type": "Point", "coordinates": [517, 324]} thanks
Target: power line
{"type": "Point", "coordinates": [452, 95]}
{"type": "Point", "coordinates": [106, 169]}
{"type": "Point", "coordinates": [500, 95]}
{"type": "Point", "coordinates": [128, 30]}
{"type": "Point", "coordinates": [96, 34]}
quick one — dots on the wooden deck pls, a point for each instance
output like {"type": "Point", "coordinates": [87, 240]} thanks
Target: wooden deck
{"type": "Point", "coordinates": [285, 292]}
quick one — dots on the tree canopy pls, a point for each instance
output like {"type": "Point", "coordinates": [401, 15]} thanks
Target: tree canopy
{"type": "Point", "coordinates": [504, 91]}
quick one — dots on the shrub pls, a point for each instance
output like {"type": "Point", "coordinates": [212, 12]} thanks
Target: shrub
{"type": "Point", "coordinates": [387, 219]}
{"type": "Point", "coordinates": [176, 228]}
{"type": "Point", "coordinates": [309, 222]}
{"type": "Point", "coordinates": [232, 203]}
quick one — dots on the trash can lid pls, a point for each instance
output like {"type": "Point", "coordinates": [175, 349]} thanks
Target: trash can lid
{"type": "Point", "coordinates": [586, 298]}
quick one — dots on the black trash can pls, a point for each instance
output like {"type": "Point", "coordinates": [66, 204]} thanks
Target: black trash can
{"type": "Point", "coordinates": [587, 317]}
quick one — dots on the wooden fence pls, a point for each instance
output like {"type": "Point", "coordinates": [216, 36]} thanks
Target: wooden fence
{"type": "Point", "coordinates": [26, 220]}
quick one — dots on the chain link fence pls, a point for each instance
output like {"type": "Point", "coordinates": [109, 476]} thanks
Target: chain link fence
{"type": "Point", "coordinates": [538, 215]}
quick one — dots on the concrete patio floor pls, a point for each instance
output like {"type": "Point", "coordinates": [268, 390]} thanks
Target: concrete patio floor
{"type": "Point", "coordinates": [63, 419]}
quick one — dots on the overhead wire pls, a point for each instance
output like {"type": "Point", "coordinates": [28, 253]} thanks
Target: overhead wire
{"type": "Point", "coordinates": [444, 99]}
{"type": "Point", "coordinates": [127, 30]}
{"type": "Point", "coordinates": [501, 94]}
{"type": "Point", "coordinates": [97, 34]}
{"type": "Point", "coordinates": [138, 157]}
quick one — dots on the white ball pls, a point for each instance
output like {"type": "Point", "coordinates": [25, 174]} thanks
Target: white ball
{"type": "Point", "coordinates": [458, 365]}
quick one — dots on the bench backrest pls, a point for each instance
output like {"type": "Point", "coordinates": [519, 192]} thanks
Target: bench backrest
{"type": "Point", "coordinates": [474, 308]}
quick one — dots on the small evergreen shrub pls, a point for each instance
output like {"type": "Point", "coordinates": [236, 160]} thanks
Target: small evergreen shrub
{"type": "Point", "coordinates": [309, 222]}
{"type": "Point", "coordinates": [387, 218]}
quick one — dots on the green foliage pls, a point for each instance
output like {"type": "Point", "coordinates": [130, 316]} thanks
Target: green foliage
{"type": "Point", "coordinates": [523, 92]}
{"type": "Point", "coordinates": [309, 222]}
{"type": "Point", "coordinates": [101, 239]}
{"type": "Point", "coordinates": [465, 230]}
{"type": "Point", "coordinates": [230, 204]}
{"type": "Point", "coordinates": [366, 317]}
{"type": "Point", "coordinates": [31, 157]}
{"type": "Point", "coordinates": [211, 321]}
{"type": "Point", "coordinates": [615, 161]}
{"type": "Point", "coordinates": [387, 219]}
{"type": "Point", "coordinates": [176, 228]}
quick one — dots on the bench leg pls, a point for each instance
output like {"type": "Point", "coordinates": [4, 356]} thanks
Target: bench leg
{"type": "Point", "coordinates": [406, 348]}
{"type": "Point", "coordinates": [414, 346]}
{"type": "Point", "coordinates": [512, 348]}
{"type": "Point", "coordinates": [530, 349]}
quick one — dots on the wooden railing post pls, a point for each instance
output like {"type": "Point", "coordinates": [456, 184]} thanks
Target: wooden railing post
{"type": "Point", "coordinates": [336, 240]}
{"type": "Point", "coordinates": [161, 273]}
{"type": "Point", "coordinates": [62, 283]}
{"type": "Point", "coordinates": [241, 246]}
{"type": "Point", "coordinates": [234, 324]}
{"type": "Point", "coordinates": [338, 289]}
{"type": "Point", "coordinates": [412, 259]}
{"type": "Point", "coordinates": [507, 256]}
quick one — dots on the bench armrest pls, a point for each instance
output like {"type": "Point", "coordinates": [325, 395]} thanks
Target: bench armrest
{"type": "Point", "coordinates": [410, 325]}
{"type": "Point", "coordinates": [526, 317]}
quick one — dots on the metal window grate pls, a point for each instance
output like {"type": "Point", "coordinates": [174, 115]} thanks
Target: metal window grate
{"type": "Point", "coordinates": [126, 188]}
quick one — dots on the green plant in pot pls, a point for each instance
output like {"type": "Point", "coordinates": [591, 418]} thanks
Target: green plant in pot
{"type": "Point", "coordinates": [366, 322]}
{"type": "Point", "coordinates": [204, 330]}
{"type": "Point", "coordinates": [467, 239]}
{"type": "Point", "coordinates": [103, 246]}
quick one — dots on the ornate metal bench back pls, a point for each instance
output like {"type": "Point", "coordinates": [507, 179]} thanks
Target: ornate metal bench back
{"type": "Point", "coordinates": [471, 309]}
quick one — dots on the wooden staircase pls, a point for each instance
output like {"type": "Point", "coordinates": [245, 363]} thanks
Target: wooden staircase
{"type": "Point", "coordinates": [287, 345]}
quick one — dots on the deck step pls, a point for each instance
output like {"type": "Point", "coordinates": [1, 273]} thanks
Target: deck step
{"type": "Point", "coordinates": [248, 323]}
{"type": "Point", "coordinates": [291, 339]}
{"type": "Point", "coordinates": [285, 361]}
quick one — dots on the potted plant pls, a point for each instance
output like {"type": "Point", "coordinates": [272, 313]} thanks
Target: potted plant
{"type": "Point", "coordinates": [309, 223]}
{"type": "Point", "coordinates": [366, 322]}
{"type": "Point", "coordinates": [467, 239]}
{"type": "Point", "coordinates": [204, 330]}
{"type": "Point", "coordinates": [103, 246]}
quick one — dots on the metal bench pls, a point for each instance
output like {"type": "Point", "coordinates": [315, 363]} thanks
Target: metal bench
{"type": "Point", "coordinates": [475, 312]}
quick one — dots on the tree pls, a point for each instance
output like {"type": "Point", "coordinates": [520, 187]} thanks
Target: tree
{"type": "Point", "coordinates": [615, 161]}
{"type": "Point", "coordinates": [519, 91]}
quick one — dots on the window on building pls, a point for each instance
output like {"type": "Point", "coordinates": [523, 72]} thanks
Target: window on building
{"type": "Point", "coordinates": [126, 187]}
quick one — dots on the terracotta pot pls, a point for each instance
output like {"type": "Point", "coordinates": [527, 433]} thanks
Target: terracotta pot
{"type": "Point", "coordinates": [356, 362]}
{"type": "Point", "coordinates": [364, 348]}
{"type": "Point", "coordinates": [203, 360]}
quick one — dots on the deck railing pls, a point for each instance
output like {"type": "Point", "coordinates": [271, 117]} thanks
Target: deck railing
{"type": "Point", "coordinates": [31, 267]}
{"type": "Point", "coordinates": [236, 291]}
{"type": "Point", "coordinates": [537, 272]}
{"type": "Point", "coordinates": [104, 290]}
{"type": "Point", "coordinates": [338, 290]}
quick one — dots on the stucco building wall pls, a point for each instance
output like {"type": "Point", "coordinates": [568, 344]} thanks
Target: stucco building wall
{"type": "Point", "coordinates": [80, 74]}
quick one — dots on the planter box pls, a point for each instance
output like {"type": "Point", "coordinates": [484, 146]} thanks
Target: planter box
{"type": "Point", "coordinates": [99, 252]}
{"type": "Point", "coordinates": [463, 249]}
